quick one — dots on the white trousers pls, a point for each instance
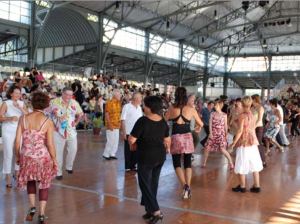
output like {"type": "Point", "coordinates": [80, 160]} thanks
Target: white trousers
{"type": "Point", "coordinates": [60, 143]}
{"type": "Point", "coordinates": [112, 143]}
{"type": "Point", "coordinates": [283, 135]}
{"type": "Point", "coordinates": [8, 141]}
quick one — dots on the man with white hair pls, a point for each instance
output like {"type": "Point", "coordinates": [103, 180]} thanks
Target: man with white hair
{"type": "Point", "coordinates": [130, 114]}
{"type": "Point", "coordinates": [112, 124]}
{"type": "Point", "coordinates": [66, 114]}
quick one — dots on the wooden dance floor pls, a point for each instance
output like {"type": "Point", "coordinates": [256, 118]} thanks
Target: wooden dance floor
{"type": "Point", "coordinates": [101, 192]}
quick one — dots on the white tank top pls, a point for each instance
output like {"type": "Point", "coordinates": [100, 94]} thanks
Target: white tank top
{"type": "Point", "coordinates": [11, 112]}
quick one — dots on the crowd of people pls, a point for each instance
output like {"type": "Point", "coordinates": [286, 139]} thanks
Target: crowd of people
{"type": "Point", "coordinates": [46, 117]}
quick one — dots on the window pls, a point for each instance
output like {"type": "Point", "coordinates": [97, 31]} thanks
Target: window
{"type": "Point", "coordinates": [249, 64]}
{"type": "Point", "coordinates": [169, 49]}
{"type": "Point", "coordinates": [109, 27]}
{"type": "Point", "coordinates": [285, 63]}
{"type": "Point", "coordinates": [18, 11]}
{"type": "Point", "coordinates": [197, 59]}
{"type": "Point", "coordinates": [127, 37]}
{"type": "Point", "coordinates": [92, 18]}
{"type": "Point", "coordinates": [13, 54]}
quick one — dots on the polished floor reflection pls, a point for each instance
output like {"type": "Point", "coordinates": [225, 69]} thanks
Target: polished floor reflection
{"type": "Point", "coordinates": [101, 192]}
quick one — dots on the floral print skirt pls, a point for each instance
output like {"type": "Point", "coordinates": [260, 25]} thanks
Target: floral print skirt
{"type": "Point", "coordinates": [182, 143]}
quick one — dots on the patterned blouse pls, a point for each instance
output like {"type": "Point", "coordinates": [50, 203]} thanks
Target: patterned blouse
{"type": "Point", "coordinates": [58, 109]}
{"type": "Point", "coordinates": [248, 137]}
{"type": "Point", "coordinates": [113, 108]}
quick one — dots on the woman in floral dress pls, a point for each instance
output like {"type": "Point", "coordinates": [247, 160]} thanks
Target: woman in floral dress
{"type": "Point", "coordinates": [217, 140]}
{"type": "Point", "coordinates": [273, 127]}
{"type": "Point", "coordinates": [37, 158]}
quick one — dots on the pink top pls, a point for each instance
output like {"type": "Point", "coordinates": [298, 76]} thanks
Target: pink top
{"type": "Point", "coordinates": [248, 137]}
{"type": "Point", "coordinates": [39, 78]}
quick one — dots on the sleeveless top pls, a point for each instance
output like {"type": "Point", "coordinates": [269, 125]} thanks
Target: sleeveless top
{"type": "Point", "coordinates": [181, 128]}
{"type": "Point", "coordinates": [11, 112]}
{"type": "Point", "coordinates": [248, 137]}
{"type": "Point", "coordinates": [255, 112]}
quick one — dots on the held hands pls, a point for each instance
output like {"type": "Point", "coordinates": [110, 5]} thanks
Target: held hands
{"type": "Point", "coordinates": [15, 118]}
{"type": "Point", "coordinates": [198, 129]}
{"type": "Point", "coordinates": [133, 147]}
{"type": "Point", "coordinates": [231, 146]}
{"type": "Point", "coordinates": [18, 160]}
{"type": "Point", "coordinates": [55, 164]}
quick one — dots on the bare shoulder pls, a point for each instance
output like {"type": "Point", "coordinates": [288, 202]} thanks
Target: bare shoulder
{"type": "Point", "coordinates": [171, 108]}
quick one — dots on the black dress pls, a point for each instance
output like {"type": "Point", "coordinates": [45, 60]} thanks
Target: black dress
{"type": "Point", "coordinates": [79, 95]}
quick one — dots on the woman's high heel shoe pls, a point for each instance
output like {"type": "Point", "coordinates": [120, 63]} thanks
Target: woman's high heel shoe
{"type": "Point", "coordinates": [148, 215]}
{"type": "Point", "coordinates": [186, 193]}
{"type": "Point", "coordinates": [41, 219]}
{"type": "Point", "coordinates": [30, 214]}
{"type": "Point", "coordinates": [8, 185]}
{"type": "Point", "coordinates": [156, 218]}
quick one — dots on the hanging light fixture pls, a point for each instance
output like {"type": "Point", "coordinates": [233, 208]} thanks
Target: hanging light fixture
{"type": "Point", "coordinates": [117, 9]}
{"type": "Point", "coordinates": [112, 62]}
{"type": "Point", "coordinates": [277, 50]}
{"type": "Point", "coordinates": [244, 31]}
{"type": "Point", "coordinates": [265, 43]}
{"type": "Point", "coordinates": [289, 22]}
{"type": "Point", "coordinates": [168, 26]}
{"type": "Point", "coordinates": [203, 42]}
{"type": "Point", "coordinates": [216, 15]}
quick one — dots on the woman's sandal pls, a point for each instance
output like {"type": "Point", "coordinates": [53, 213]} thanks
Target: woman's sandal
{"type": "Point", "coordinates": [41, 219]}
{"type": "Point", "coordinates": [30, 214]}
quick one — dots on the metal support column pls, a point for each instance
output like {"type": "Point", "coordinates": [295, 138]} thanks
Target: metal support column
{"type": "Point", "coordinates": [180, 69]}
{"type": "Point", "coordinates": [262, 94]}
{"type": "Point", "coordinates": [269, 76]}
{"type": "Point", "coordinates": [31, 37]}
{"type": "Point", "coordinates": [225, 77]}
{"type": "Point", "coordinates": [147, 57]}
{"type": "Point", "coordinates": [100, 43]}
{"type": "Point", "coordinates": [205, 74]}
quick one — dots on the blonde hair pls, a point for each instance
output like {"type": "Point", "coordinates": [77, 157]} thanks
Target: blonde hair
{"type": "Point", "coordinates": [247, 102]}
{"type": "Point", "coordinates": [220, 103]}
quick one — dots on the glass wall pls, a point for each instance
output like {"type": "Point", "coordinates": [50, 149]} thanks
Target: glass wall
{"type": "Point", "coordinates": [169, 49]}
{"type": "Point", "coordinates": [127, 37]}
{"type": "Point", "coordinates": [285, 63]}
{"type": "Point", "coordinates": [12, 53]}
{"type": "Point", "coordinates": [17, 11]}
{"type": "Point", "coordinates": [249, 64]}
{"type": "Point", "coordinates": [197, 59]}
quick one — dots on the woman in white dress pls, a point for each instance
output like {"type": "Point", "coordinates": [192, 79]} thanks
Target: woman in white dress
{"type": "Point", "coordinates": [10, 112]}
